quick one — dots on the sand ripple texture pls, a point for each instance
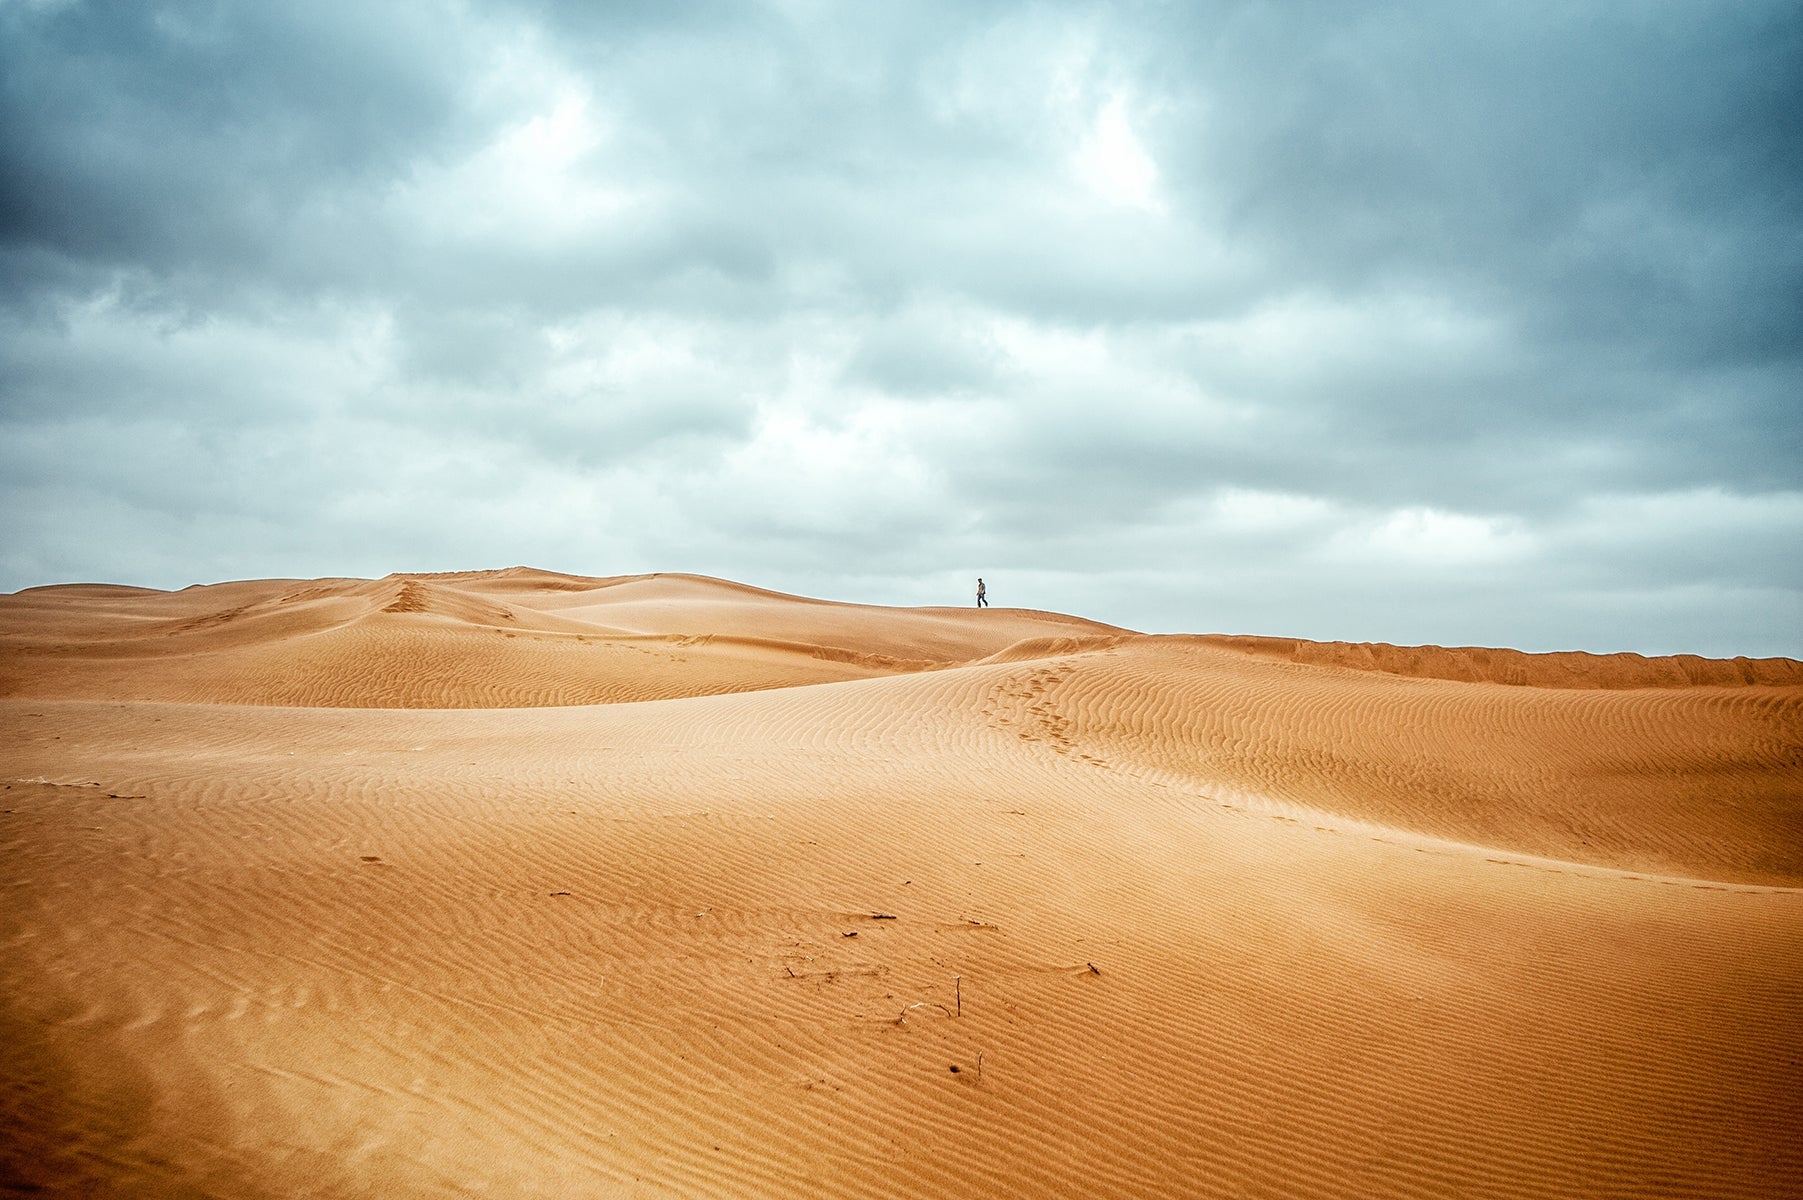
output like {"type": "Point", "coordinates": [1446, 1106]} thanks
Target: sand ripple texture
{"type": "Point", "coordinates": [336, 889]}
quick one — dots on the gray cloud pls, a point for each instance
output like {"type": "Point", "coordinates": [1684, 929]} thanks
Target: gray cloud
{"type": "Point", "coordinates": [1414, 322]}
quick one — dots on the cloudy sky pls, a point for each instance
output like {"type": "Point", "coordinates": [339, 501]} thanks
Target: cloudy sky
{"type": "Point", "coordinates": [1474, 323]}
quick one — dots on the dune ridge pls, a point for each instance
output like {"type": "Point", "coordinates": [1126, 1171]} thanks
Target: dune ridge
{"type": "Point", "coordinates": [825, 899]}
{"type": "Point", "coordinates": [1559, 669]}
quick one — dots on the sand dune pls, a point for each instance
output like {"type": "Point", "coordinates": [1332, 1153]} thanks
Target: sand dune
{"type": "Point", "coordinates": [493, 639]}
{"type": "Point", "coordinates": [524, 884]}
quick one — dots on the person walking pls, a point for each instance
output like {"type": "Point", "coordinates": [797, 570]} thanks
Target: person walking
{"type": "Point", "coordinates": [982, 594]}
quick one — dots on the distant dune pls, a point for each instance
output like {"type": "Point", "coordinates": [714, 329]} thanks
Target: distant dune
{"type": "Point", "coordinates": [516, 883]}
{"type": "Point", "coordinates": [1472, 664]}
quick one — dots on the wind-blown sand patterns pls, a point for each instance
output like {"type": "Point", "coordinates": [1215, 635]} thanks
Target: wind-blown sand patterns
{"type": "Point", "coordinates": [1221, 922]}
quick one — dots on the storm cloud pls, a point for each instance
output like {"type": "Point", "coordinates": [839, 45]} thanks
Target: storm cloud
{"type": "Point", "coordinates": [1476, 324]}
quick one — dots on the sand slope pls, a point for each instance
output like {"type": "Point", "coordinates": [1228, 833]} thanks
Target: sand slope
{"type": "Point", "coordinates": [1188, 918]}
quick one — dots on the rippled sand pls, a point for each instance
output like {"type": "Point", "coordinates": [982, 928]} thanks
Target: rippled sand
{"type": "Point", "coordinates": [521, 884]}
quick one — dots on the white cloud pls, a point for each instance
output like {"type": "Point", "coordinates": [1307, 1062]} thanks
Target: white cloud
{"type": "Point", "coordinates": [541, 175]}
{"type": "Point", "coordinates": [1317, 337]}
{"type": "Point", "coordinates": [1424, 538]}
{"type": "Point", "coordinates": [1246, 510]}
{"type": "Point", "coordinates": [1115, 164]}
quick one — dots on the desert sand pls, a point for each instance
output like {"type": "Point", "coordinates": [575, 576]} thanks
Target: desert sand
{"type": "Point", "coordinates": [524, 884]}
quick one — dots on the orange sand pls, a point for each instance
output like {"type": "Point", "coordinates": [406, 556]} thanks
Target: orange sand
{"type": "Point", "coordinates": [521, 884]}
